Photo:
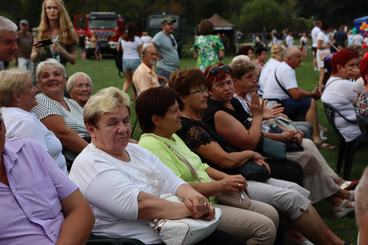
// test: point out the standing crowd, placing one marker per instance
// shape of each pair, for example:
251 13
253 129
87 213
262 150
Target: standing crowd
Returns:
238 141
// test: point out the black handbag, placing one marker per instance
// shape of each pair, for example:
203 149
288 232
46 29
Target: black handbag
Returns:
252 171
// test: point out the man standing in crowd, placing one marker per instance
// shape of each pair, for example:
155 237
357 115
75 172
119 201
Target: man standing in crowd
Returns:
314 33
341 39
8 41
167 47
144 76
25 44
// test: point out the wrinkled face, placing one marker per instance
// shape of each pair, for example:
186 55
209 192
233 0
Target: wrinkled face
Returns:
197 98
52 10
247 83
170 122
222 91
51 81
112 132
27 97
8 45
350 70
81 91
151 56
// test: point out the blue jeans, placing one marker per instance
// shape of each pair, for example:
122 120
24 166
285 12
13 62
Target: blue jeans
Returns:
163 73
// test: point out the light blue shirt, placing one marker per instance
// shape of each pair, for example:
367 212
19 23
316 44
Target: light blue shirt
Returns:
169 54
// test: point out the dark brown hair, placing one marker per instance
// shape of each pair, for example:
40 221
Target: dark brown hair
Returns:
154 101
183 81
205 27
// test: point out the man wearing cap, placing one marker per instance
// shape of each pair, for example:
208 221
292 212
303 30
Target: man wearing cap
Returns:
25 44
168 48
8 41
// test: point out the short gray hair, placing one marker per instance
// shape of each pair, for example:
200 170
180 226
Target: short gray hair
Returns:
104 101
72 80
7 25
49 62
147 46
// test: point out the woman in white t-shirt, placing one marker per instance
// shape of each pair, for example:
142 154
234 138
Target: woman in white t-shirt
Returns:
18 97
323 50
131 46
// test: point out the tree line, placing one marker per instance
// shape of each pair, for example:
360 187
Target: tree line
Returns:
247 15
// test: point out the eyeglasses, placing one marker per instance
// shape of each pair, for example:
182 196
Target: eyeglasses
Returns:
217 69
199 90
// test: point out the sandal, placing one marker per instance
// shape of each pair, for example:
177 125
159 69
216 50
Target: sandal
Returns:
324 145
344 208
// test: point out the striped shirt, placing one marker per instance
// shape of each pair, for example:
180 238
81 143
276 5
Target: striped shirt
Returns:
73 117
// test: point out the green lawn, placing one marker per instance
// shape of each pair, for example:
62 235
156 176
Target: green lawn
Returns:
105 74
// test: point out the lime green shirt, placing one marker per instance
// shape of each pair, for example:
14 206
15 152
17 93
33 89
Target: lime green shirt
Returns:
159 146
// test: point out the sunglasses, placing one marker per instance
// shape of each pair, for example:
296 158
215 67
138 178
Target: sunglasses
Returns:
217 69
173 43
199 90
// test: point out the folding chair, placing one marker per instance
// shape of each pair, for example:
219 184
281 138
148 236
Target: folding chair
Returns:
346 149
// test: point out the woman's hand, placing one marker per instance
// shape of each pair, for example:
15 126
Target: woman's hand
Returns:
198 204
56 47
234 183
261 162
272 112
255 107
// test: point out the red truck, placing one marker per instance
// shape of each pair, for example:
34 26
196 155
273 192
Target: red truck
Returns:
107 27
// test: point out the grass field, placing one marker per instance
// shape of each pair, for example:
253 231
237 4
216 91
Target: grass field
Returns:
105 74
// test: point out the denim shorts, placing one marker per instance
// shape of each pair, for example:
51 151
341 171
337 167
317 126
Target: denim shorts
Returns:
131 64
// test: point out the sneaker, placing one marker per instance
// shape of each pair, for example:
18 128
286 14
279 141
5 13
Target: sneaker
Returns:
343 209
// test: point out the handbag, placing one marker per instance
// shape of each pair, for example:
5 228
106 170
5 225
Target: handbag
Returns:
272 149
186 230
253 171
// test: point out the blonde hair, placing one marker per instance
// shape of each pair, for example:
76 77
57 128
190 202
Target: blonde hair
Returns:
104 101
12 81
67 34
74 78
49 62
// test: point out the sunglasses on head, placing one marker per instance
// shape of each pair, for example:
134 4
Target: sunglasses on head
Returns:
217 69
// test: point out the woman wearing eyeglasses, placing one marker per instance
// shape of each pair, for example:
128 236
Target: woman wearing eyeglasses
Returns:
291 200
159 117
242 129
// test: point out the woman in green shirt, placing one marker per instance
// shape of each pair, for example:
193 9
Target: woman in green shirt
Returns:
159 116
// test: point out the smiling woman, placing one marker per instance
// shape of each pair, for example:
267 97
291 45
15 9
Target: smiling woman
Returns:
79 87
61 115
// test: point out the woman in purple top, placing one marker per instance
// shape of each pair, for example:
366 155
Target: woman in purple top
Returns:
39 204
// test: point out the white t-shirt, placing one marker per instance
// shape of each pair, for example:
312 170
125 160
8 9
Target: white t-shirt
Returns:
339 93
23 124
314 33
112 186
267 71
289 41
146 39
322 36
358 40
287 78
130 49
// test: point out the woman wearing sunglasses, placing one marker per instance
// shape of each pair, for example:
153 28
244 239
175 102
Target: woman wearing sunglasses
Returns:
243 129
286 197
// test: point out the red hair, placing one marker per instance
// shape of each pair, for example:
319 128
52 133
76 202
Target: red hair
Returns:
342 57
364 68
213 78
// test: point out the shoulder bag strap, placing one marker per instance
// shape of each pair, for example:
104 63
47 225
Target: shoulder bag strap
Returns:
278 82
180 157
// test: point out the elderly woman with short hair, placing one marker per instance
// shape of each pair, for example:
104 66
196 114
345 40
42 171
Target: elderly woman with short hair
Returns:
18 97
79 86
122 181
61 115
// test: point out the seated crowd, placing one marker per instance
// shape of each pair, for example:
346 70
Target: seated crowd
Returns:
203 135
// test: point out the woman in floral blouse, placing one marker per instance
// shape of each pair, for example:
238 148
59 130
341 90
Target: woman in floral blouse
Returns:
207 48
